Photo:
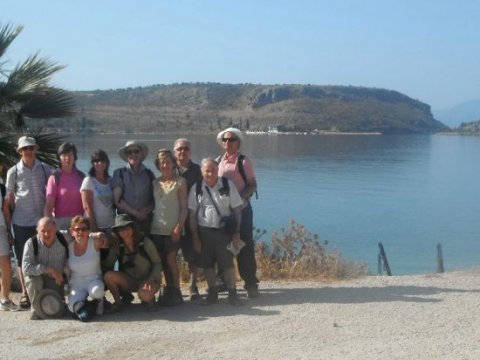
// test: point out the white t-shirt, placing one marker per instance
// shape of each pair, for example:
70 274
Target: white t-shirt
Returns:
102 201
207 214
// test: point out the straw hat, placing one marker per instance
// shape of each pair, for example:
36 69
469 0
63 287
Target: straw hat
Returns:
49 304
122 152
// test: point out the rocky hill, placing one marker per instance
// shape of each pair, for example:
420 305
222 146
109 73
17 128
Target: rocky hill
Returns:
207 107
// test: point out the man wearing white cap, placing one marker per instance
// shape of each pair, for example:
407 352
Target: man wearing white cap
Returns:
132 185
25 200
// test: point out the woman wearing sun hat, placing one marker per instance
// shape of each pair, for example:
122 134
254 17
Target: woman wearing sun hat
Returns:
239 169
140 267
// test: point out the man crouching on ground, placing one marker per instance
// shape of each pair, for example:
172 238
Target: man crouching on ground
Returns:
44 260
209 204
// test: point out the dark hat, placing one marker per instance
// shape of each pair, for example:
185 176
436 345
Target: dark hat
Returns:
49 304
121 221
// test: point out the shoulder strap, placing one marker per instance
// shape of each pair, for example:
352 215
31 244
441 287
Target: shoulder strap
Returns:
225 185
143 252
3 190
241 170
35 245
198 188
63 241
150 174
60 238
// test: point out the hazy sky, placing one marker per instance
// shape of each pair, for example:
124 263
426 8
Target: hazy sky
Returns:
426 49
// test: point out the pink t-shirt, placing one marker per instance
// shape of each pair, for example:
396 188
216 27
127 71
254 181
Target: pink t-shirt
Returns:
68 199
229 169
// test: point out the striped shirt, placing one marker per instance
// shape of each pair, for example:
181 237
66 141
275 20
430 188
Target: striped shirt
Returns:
54 256
28 186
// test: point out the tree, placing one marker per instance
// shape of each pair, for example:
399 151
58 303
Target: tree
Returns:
25 96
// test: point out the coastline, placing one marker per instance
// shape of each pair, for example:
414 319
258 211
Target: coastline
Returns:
432 316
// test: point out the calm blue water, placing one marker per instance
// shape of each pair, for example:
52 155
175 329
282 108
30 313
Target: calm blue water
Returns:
408 192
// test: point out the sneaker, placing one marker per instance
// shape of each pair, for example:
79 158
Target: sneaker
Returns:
35 316
194 294
233 298
8 305
212 297
252 292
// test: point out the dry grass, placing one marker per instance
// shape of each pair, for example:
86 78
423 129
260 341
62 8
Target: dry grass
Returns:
295 253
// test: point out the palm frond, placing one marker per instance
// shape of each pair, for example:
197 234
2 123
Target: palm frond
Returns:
8 33
29 76
48 103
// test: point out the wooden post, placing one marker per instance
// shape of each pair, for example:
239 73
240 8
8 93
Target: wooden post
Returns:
440 268
384 259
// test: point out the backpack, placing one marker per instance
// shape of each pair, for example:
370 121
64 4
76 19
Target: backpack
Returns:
141 250
57 174
241 169
60 238
150 175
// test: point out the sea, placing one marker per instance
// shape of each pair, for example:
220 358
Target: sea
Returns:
408 192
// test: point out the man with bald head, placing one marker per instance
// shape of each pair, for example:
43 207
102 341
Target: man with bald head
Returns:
44 259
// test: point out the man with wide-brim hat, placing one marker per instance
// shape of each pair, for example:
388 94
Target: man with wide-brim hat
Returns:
132 185
25 200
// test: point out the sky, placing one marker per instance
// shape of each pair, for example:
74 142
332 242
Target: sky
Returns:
426 49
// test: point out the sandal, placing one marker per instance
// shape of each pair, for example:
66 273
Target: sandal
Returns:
25 302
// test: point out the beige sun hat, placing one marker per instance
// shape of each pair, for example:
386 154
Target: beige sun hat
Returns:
122 152
25 141
236 131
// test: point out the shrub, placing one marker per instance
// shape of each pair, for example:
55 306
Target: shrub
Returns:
295 253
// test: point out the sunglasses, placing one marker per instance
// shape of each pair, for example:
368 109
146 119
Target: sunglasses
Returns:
182 148
29 148
98 161
133 151
80 229
232 139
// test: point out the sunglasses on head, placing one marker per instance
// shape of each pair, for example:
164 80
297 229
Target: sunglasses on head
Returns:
231 139
132 151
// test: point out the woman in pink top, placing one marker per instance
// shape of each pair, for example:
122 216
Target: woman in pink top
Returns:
230 165
64 200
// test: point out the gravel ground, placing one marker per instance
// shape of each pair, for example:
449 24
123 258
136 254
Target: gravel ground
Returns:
399 317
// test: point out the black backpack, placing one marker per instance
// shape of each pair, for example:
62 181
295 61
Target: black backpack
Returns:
241 169
141 250
60 238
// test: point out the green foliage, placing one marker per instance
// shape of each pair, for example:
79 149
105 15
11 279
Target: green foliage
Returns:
26 96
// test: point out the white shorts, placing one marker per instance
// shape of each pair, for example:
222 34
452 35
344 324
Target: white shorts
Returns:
4 246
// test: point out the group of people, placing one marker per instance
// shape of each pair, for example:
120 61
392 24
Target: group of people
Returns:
122 233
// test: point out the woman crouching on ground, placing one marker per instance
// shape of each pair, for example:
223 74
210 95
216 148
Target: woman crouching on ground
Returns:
85 272
140 267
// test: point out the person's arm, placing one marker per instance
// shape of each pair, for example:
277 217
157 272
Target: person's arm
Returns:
29 263
87 201
8 206
183 211
156 271
192 219
50 197
123 205
250 189
100 240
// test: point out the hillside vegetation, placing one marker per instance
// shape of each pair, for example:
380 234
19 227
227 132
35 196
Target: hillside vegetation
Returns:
207 107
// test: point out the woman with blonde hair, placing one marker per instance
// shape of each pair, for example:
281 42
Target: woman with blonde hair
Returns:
170 212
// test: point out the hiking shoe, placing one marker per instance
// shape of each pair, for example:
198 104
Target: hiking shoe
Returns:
8 305
212 297
127 299
252 292
194 294
233 298
35 316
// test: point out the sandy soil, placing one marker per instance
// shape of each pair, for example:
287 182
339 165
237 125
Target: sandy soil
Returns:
399 317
